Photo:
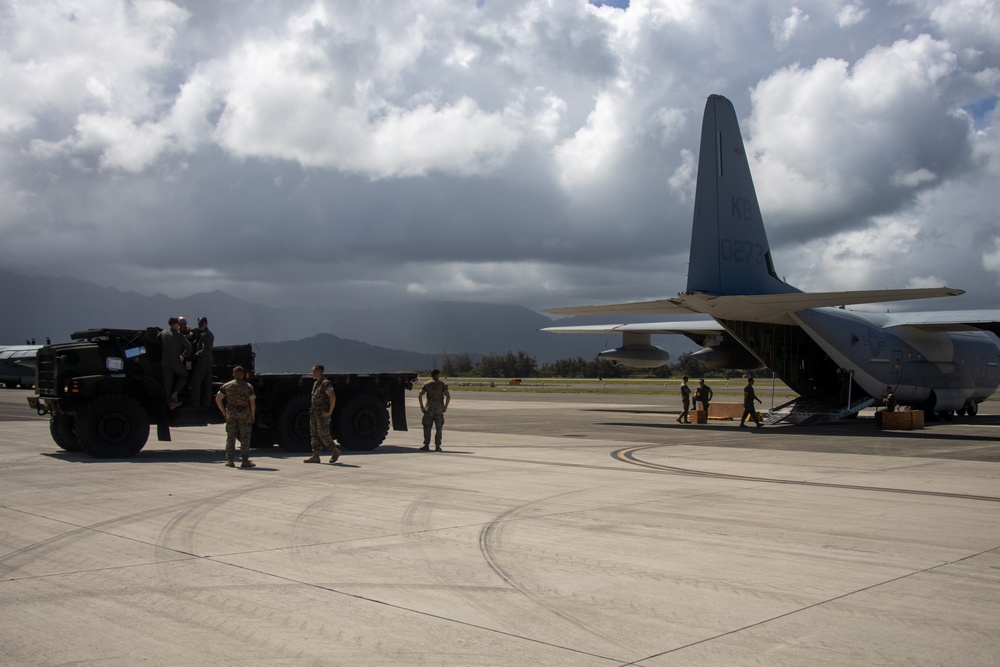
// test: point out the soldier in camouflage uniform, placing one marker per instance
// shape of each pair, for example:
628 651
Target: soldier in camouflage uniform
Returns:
438 399
201 375
239 411
173 371
323 401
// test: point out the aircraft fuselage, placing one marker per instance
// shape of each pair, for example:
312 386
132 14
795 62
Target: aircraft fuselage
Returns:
937 370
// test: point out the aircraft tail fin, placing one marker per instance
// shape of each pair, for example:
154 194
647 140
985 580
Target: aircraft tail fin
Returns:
729 250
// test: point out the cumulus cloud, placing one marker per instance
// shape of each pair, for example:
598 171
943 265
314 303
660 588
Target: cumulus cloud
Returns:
785 29
542 152
849 15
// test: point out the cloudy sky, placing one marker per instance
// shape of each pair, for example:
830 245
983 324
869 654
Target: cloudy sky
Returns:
533 152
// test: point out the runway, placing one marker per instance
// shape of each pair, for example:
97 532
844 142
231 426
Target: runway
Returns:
555 529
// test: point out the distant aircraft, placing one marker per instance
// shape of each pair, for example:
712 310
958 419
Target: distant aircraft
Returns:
840 360
17 365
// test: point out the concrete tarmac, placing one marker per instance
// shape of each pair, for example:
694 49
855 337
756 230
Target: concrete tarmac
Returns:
554 530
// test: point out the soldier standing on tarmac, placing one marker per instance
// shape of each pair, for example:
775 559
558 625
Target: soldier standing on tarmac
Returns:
323 401
702 394
438 399
239 412
749 410
685 402
201 374
175 346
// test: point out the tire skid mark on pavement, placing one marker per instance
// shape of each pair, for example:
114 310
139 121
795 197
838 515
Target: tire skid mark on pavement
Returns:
301 535
628 455
492 543
416 521
15 560
183 526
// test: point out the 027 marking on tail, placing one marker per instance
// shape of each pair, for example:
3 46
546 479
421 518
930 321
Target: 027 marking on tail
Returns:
938 361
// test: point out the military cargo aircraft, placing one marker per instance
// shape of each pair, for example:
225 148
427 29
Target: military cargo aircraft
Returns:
839 361
17 365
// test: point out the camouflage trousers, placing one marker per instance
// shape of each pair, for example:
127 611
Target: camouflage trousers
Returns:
238 426
319 432
437 419
201 382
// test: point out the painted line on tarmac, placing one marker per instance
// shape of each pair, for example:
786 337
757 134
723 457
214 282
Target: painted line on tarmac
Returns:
628 455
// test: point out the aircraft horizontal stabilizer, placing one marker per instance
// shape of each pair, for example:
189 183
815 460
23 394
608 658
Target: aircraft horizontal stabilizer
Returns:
700 327
658 307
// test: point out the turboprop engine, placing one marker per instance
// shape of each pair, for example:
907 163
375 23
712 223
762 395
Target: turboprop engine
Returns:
728 356
638 356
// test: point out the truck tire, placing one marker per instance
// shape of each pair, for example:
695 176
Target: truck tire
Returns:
363 423
63 430
293 424
262 438
114 426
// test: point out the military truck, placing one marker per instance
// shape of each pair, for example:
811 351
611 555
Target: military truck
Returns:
103 391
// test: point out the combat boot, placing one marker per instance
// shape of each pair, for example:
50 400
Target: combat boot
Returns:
229 461
247 463
335 455
312 459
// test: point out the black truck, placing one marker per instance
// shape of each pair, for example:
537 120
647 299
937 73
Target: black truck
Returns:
103 390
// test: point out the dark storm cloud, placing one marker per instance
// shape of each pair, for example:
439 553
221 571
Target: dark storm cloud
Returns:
534 152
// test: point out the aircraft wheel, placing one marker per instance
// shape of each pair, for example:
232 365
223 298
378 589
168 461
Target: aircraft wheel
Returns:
114 426
972 409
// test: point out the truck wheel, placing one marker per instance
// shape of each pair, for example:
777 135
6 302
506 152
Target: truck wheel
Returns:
114 426
261 438
363 423
62 428
293 424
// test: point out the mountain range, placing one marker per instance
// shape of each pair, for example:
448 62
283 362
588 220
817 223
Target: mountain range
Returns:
291 339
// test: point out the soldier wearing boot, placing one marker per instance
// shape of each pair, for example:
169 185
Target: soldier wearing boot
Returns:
323 401
438 399
238 405
173 371
201 374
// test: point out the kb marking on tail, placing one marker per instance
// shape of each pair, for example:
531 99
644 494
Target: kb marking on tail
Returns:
742 208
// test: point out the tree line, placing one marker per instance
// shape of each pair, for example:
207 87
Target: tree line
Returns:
523 365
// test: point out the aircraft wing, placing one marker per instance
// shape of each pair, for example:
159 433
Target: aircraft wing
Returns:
756 307
697 328
947 320
775 308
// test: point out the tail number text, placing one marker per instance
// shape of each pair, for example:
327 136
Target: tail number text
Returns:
732 250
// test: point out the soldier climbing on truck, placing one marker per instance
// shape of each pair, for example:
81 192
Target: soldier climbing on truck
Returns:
103 391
